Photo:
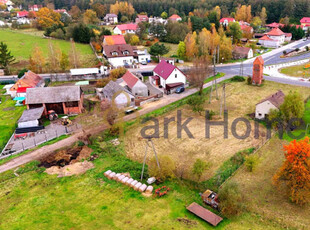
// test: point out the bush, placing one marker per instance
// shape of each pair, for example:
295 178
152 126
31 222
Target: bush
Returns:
167 168
307 48
249 81
284 52
237 79
199 167
196 102
22 72
117 73
230 199
251 162
102 82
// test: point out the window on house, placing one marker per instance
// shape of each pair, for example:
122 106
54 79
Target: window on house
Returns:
114 54
126 52
176 75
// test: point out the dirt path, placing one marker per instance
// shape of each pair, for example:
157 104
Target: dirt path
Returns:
48 149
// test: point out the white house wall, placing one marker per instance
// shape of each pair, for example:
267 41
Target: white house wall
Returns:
175 77
140 89
263 109
119 61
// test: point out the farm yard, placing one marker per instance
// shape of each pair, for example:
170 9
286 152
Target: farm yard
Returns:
21 44
241 101
9 115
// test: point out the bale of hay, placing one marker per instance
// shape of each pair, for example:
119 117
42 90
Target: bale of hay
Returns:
132 184
142 188
149 189
107 173
117 175
128 182
121 177
123 181
137 186
111 175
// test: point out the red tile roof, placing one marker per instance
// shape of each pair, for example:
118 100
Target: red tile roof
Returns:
130 26
114 39
266 38
227 19
130 79
305 20
22 13
142 16
275 25
288 34
204 214
174 17
164 69
275 32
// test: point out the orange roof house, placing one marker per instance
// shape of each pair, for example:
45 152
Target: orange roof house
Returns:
29 80
114 40
175 18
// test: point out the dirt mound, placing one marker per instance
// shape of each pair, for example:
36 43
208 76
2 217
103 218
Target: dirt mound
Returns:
69 170
66 157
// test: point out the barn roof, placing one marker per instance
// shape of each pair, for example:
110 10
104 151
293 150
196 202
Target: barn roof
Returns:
130 79
53 94
276 99
112 88
204 214
31 114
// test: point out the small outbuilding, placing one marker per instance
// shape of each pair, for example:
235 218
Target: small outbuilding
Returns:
30 118
134 85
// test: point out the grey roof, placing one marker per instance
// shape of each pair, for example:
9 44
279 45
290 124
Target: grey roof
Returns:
53 94
111 88
276 99
31 114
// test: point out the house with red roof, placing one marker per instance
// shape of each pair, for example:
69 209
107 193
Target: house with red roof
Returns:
305 21
114 40
119 55
34 7
22 14
21 91
134 85
142 18
274 25
226 21
175 18
168 76
273 38
123 29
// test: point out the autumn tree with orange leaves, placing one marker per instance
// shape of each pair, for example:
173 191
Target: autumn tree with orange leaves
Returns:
294 174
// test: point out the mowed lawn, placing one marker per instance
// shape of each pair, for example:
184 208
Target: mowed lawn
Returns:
9 115
296 71
35 200
21 44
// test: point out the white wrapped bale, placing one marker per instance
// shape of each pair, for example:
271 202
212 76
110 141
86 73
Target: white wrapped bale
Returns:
132 184
137 186
129 181
115 177
107 173
142 188
121 177
149 189
123 181
111 175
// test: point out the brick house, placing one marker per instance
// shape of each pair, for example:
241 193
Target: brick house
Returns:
63 100
258 68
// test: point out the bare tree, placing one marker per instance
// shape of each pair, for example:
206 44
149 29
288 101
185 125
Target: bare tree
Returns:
200 72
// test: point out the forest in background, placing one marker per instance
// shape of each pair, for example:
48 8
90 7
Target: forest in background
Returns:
276 9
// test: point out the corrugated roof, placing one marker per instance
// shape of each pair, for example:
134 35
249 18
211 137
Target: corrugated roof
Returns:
53 94
31 114
204 214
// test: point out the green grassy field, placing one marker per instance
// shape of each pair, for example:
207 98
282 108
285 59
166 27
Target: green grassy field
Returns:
90 201
21 44
173 49
296 71
9 114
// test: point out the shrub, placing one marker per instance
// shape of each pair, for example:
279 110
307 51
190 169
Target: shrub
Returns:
167 168
251 162
199 167
230 199
307 48
22 72
238 78
196 102
249 81
117 73
284 52
102 82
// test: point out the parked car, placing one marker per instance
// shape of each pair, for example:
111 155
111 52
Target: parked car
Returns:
143 63
126 65
180 89
131 109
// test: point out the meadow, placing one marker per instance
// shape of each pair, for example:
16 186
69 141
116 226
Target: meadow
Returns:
21 44
9 115
296 71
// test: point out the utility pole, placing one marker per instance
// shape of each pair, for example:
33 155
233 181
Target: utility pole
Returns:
214 71
241 68
223 100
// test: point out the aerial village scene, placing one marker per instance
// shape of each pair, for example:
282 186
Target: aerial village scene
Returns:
155 114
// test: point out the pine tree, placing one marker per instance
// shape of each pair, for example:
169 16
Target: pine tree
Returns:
5 57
